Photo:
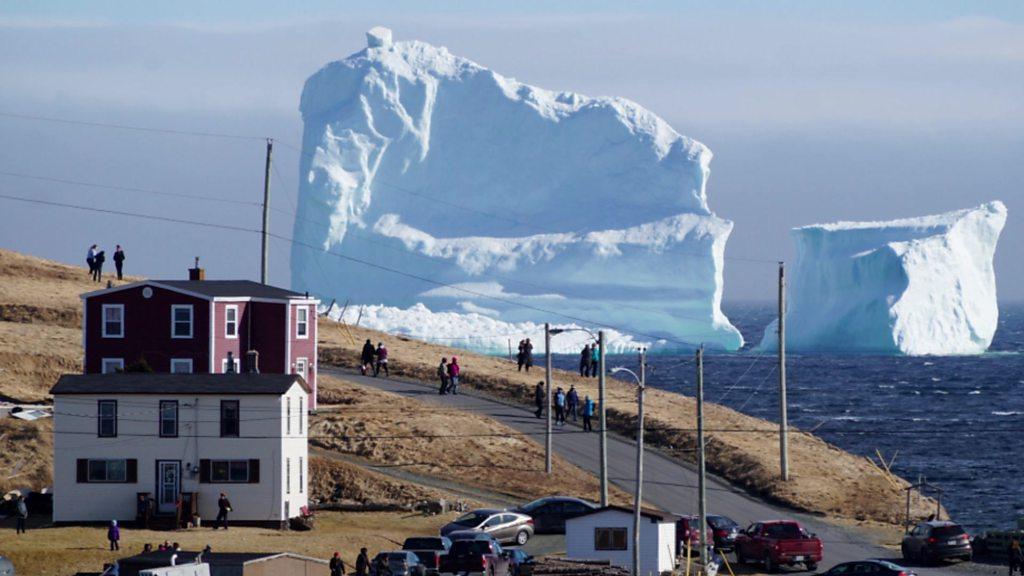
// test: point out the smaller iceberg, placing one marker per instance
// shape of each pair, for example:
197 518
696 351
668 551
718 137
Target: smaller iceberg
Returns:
914 286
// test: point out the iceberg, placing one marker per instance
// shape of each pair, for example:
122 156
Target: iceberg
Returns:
489 195
915 286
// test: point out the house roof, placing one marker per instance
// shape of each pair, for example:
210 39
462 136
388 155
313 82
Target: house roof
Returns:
651 513
164 383
131 565
212 289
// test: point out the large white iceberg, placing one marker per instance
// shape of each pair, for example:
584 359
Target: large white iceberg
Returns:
486 192
913 286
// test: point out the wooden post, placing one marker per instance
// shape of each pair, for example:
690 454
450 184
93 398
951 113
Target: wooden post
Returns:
264 253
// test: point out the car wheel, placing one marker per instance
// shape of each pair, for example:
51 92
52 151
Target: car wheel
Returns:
740 558
812 566
522 537
769 566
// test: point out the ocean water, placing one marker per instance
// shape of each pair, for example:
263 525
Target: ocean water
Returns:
957 422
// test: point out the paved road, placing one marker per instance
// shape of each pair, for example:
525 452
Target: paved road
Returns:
668 484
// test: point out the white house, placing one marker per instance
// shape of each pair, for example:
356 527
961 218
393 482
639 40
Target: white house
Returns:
607 534
180 435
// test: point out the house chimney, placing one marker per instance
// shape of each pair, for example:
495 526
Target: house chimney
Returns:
231 363
196 273
252 362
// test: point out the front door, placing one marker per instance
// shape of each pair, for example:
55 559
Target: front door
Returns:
168 485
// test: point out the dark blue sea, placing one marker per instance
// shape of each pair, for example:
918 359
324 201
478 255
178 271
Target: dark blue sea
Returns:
957 422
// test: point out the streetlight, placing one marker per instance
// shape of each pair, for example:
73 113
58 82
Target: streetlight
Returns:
640 381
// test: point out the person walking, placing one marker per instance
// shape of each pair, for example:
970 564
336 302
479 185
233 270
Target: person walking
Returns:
119 261
20 515
1014 557
588 413
90 259
223 507
114 535
521 355
362 562
559 406
382 360
442 373
528 355
572 402
97 270
142 511
538 397
585 361
337 565
453 375
595 360
366 358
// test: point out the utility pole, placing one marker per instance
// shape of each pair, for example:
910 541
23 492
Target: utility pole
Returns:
602 439
637 498
547 384
266 214
783 417
702 509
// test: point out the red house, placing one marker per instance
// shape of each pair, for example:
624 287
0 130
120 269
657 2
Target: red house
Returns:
195 326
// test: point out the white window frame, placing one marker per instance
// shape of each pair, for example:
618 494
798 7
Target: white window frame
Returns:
305 368
191 365
191 320
105 361
299 311
224 365
227 333
103 319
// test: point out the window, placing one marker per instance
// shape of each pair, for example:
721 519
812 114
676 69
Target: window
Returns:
169 418
288 417
229 418
230 471
106 426
287 475
181 321
107 470
610 539
231 321
302 474
234 362
111 365
181 365
302 322
302 415
113 320
288 510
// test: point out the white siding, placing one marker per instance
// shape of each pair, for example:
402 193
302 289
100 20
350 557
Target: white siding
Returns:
261 437
656 541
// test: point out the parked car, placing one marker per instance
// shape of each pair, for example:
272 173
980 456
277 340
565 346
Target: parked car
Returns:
936 540
868 568
483 557
503 525
686 531
429 549
469 535
549 514
725 531
399 563
520 563
778 542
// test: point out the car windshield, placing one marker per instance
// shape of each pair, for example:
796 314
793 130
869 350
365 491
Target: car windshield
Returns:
471 519
423 544
947 531
782 531
720 523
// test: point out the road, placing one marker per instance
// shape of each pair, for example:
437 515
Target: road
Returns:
668 484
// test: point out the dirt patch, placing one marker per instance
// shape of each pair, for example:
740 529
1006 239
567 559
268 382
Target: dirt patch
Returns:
344 483
25 454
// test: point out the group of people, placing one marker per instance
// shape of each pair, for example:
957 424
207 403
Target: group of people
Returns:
338 568
525 356
590 360
96 257
565 404
374 359
448 373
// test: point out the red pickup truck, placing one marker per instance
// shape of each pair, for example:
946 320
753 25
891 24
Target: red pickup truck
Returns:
778 542
482 557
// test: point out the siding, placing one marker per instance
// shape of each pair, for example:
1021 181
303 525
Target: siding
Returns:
304 348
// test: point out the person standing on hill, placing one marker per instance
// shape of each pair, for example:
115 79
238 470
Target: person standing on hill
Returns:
119 261
588 413
442 373
114 535
362 562
382 360
90 259
97 270
528 354
521 355
572 402
453 375
585 361
20 514
366 358
538 397
337 565
595 360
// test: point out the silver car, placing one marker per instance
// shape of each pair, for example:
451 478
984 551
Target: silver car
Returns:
503 525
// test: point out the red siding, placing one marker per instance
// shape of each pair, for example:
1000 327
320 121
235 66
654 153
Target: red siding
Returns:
147 330
223 344
268 336
305 348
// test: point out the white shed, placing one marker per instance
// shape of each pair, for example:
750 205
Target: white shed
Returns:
607 534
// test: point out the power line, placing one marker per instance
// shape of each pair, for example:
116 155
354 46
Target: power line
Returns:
150 129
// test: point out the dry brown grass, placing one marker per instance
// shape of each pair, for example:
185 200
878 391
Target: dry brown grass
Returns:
25 453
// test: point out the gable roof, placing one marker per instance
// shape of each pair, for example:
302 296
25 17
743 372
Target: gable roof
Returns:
656 515
212 289
165 383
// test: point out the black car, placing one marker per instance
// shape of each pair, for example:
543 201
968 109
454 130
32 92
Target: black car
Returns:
520 563
724 531
429 549
936 540
549 514
868 568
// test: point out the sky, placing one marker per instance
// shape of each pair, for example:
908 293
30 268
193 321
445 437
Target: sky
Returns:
815 111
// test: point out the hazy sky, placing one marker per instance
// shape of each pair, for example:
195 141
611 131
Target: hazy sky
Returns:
816 111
